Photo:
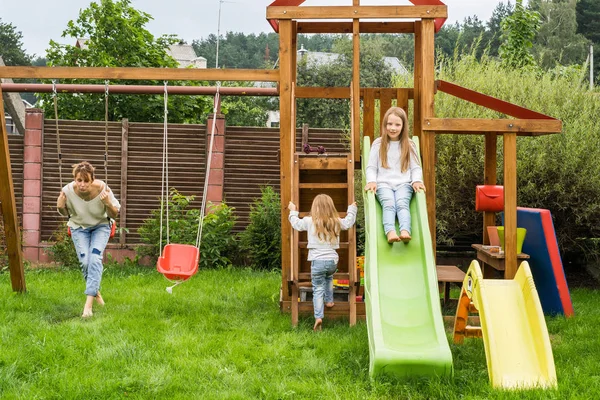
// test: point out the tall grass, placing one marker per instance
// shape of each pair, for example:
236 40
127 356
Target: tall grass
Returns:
221 336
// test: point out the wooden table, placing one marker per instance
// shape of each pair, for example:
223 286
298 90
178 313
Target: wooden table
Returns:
447 274
494 260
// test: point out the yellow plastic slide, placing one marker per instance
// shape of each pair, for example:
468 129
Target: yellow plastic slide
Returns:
517 345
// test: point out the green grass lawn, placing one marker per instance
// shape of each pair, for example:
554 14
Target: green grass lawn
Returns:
220 335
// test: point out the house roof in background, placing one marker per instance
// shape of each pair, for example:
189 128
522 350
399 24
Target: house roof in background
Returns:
183 52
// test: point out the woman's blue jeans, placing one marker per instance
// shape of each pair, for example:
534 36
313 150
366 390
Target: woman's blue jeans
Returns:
90 244
321 275
395 202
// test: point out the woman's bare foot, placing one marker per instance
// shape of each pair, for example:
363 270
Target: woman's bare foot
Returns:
87 312
405 236
329 305
392 237
318 325
99 299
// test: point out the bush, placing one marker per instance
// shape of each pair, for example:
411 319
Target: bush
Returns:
217 244
63 250
262 238
557 172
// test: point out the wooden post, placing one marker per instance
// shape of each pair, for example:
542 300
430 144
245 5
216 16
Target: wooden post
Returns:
304 134
355 101
426 93
287 143
124 159
489 178
510 205
402 99
9 211
418 74
369 114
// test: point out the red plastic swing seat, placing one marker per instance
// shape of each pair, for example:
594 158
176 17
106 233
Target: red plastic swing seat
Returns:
178 261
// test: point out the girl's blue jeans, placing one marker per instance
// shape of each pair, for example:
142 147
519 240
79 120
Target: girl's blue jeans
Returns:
395 202
90 244
321 275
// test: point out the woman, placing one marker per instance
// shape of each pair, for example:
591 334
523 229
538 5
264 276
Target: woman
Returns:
89 203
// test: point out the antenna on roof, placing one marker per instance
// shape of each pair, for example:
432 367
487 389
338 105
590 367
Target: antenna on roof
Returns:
219 31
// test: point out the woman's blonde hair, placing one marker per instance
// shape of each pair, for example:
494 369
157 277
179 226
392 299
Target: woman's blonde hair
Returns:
405 144
326 219
85 169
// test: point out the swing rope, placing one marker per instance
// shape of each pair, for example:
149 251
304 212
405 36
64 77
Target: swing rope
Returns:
106 133
165 172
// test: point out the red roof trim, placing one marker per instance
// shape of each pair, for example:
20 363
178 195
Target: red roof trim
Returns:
439 22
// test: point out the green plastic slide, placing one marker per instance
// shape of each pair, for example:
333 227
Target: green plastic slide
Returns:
404 319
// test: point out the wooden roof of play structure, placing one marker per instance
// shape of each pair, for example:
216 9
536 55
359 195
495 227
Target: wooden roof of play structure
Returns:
289 18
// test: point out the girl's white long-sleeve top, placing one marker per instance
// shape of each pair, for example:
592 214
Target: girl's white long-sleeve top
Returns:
319 249
393 176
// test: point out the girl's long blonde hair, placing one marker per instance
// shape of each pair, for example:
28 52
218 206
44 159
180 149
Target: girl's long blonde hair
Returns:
405 145
326 219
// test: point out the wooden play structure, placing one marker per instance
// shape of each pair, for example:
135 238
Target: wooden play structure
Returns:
303 176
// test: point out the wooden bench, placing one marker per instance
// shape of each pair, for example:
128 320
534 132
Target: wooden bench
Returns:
446 275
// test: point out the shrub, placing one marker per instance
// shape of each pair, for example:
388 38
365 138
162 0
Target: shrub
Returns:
63 250
261 240
217 243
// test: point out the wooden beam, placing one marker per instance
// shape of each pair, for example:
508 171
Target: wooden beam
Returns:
346 27
510 205
313 92
287 143
524 127
426 88
350 12
308 92
489 178
9 210
490 102
162 74
321 163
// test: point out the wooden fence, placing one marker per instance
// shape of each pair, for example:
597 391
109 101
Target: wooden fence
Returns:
135 165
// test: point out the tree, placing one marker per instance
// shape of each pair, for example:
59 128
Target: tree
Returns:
557 41
116 37
494 27
588 24
11 46
236 50
518 31
588 19
335 113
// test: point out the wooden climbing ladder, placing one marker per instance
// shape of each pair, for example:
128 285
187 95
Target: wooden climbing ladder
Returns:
331 174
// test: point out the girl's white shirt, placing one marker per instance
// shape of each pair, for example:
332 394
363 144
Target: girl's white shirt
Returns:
319 249
87 213
393 176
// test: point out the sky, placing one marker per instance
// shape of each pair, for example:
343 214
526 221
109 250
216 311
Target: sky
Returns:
40 21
